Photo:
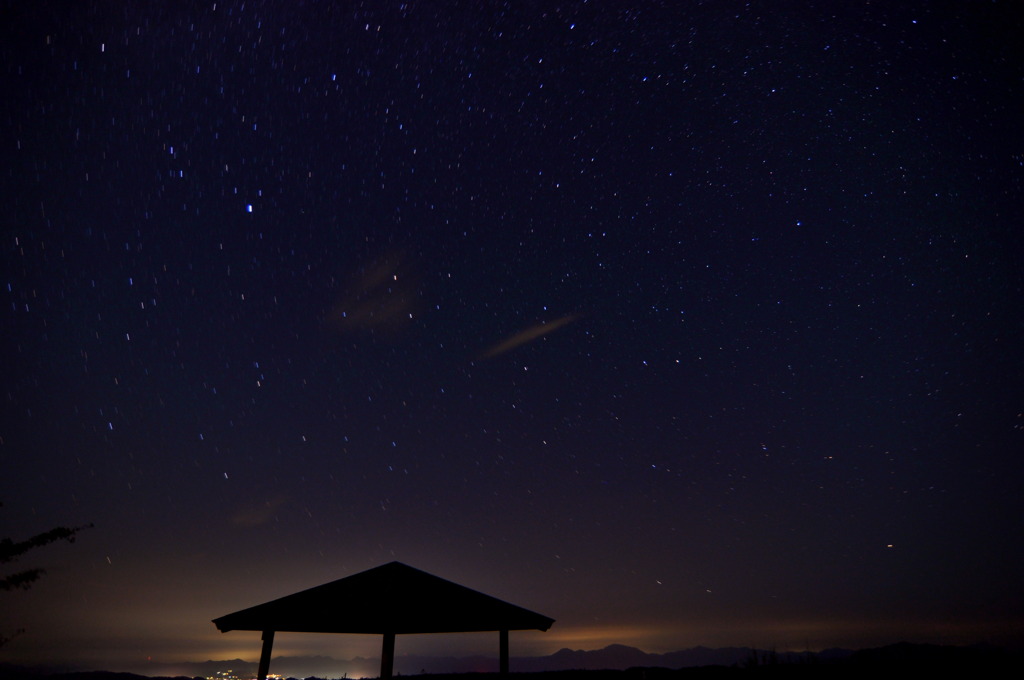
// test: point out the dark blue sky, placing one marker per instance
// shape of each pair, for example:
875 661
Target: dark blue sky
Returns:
681 323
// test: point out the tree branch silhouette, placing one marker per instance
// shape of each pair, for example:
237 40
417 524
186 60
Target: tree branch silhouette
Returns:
11 550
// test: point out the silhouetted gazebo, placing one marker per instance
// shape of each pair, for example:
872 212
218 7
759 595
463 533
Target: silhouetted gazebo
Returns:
388 600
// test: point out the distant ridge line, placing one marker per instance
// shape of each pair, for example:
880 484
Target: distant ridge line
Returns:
610 658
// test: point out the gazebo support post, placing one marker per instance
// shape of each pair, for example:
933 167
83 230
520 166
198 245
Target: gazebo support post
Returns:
268 644
503 652
388 600
387 656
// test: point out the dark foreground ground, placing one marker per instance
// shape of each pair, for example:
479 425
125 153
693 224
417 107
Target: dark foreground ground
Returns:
920 660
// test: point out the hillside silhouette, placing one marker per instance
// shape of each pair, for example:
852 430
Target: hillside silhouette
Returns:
615 662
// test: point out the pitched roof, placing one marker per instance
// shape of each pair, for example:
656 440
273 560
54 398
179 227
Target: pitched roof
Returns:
392 598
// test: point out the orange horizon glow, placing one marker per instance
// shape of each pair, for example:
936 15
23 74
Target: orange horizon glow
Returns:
809 635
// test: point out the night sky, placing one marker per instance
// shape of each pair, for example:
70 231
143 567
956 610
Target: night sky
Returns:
678 322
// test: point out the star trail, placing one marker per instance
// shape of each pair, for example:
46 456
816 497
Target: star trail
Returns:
684 323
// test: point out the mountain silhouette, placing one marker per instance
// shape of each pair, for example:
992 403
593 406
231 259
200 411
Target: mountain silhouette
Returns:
611 658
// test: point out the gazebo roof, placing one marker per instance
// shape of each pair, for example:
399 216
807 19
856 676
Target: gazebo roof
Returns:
392 598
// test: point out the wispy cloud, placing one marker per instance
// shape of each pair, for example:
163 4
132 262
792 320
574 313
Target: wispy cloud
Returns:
528 335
